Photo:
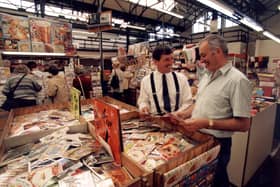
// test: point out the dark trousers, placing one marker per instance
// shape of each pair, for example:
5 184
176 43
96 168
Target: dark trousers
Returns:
221 177
17 103
117 95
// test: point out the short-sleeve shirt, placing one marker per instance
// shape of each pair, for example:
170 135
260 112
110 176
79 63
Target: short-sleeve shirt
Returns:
226 95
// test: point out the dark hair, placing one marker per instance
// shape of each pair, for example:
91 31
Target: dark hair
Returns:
31 65
161 50
53 70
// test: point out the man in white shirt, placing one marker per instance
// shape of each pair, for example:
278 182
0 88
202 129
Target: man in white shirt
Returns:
157 99
222 104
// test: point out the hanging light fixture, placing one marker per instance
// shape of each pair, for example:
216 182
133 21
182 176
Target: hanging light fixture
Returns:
271 36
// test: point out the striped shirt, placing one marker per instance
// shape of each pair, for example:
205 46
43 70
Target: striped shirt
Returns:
27 88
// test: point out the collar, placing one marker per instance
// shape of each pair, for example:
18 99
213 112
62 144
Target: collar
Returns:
159 73
223 70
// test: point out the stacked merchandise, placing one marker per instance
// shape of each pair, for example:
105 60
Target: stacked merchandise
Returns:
168 154
137 62
40 121
96 82
28 124
35 156
259 104
149 145
267 83
61 159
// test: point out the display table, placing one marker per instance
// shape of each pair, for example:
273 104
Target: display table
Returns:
251 148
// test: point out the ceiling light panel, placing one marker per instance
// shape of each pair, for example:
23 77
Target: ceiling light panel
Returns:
219 7
251 23
271 36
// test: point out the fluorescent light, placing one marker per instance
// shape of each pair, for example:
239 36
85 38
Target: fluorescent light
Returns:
136 27
173 34
32 53
219 7
271 36
251 23
126 25
117 21
278 7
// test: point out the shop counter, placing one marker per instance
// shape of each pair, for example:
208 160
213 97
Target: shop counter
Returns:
250 149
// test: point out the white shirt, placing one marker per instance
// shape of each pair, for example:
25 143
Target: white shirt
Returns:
226 95
146 96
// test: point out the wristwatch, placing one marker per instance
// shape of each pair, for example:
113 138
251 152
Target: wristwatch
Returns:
210 123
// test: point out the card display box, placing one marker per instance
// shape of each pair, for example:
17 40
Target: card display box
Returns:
85 128
14 141
156 177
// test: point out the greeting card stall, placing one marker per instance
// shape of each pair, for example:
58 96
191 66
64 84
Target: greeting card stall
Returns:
45 145
157 151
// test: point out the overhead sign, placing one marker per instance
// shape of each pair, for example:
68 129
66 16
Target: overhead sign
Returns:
100 21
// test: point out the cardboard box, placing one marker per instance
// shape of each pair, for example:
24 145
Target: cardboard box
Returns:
14 141
135 182
156 177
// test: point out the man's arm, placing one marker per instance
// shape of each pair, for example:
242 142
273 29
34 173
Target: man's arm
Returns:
143 99
232 124
184 114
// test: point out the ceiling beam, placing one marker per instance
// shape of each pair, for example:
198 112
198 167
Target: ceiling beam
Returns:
123 9
103 3
143 11
134 7
82 6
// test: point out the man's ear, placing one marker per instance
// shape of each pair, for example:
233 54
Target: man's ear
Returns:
219 50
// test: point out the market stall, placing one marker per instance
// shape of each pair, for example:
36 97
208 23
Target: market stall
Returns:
47 141
250 149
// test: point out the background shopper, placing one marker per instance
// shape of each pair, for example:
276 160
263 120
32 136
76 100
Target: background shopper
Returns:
82 82
57 88
20 89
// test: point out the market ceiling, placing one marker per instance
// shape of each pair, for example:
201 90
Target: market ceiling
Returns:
259 10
